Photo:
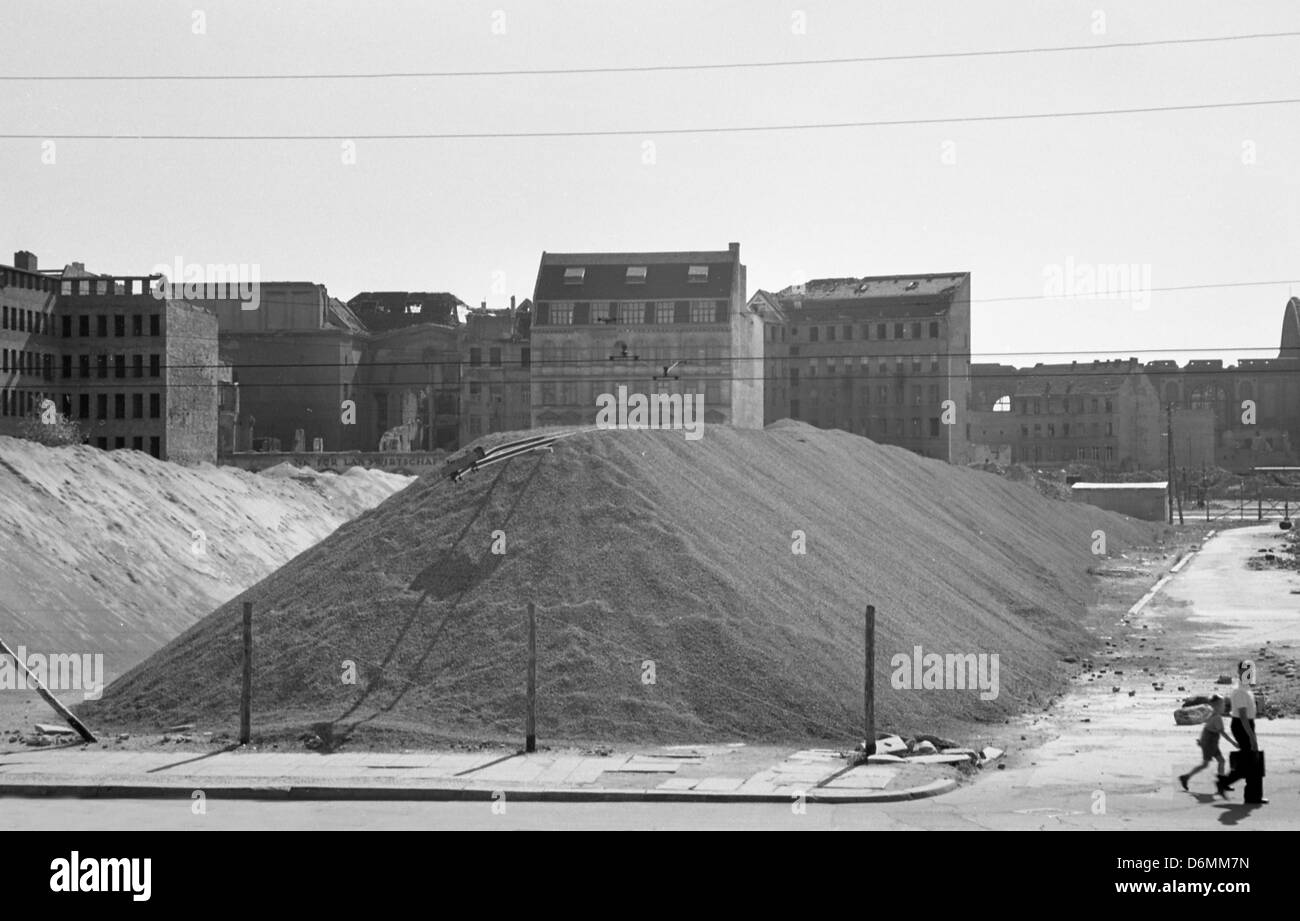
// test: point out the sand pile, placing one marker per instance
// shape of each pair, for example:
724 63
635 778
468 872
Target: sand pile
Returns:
117 553
671 605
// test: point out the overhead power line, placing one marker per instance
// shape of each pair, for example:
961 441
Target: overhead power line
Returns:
645 68
651 132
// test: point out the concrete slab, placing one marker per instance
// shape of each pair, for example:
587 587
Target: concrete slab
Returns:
864 777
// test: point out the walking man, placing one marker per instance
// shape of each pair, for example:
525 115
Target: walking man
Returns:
1241 704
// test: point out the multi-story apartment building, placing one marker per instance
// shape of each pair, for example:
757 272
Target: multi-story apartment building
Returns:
882 357
1235 416
672 323
134 368
496 373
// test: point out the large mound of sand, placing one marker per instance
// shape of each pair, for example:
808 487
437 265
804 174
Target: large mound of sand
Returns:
117 553
643 547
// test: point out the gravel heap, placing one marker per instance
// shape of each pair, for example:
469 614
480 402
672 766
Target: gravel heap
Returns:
670 603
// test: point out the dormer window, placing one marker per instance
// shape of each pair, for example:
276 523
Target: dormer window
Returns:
636 274
574 275
698 274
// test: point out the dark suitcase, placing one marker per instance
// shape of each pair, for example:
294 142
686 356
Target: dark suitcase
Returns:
1251 766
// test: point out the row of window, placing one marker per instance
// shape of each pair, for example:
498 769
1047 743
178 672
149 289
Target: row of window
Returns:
1071 405
11 278
1039 453
929 396
1081 429
900 365
494 357
26 402
585 393
652 355
24 321
630 313
118 362
901 426
20 361
37 323
635 274
832 332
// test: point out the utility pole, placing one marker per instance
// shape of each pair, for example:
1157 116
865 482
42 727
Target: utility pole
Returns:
1169 444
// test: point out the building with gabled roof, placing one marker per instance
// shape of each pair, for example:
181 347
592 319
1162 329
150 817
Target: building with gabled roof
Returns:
653 322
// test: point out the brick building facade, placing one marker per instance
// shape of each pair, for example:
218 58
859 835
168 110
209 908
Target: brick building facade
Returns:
135 369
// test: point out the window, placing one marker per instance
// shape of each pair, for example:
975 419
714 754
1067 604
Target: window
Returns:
635 275
916 330
934 428
137 366
916 395
899 330
474 388
848 331
137 443
814 332
119 406
630 312
101 366
702 312
663 311
155 446
1065 430
697 274
101 406
67 366
574 275
101 326
155 406
102 443
1110 429
934 330
83 325
1108 406
916 364
4 319
119 325
881 330
153 366
1051 430
137 324
137 406
830 334
525 358
83 406
794 377
1094 404
67 327
475 357
154 325
562 313
119 366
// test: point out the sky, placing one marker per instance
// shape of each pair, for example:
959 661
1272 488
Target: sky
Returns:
1030 207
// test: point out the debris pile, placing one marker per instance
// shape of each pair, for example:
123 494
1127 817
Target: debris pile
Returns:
685 591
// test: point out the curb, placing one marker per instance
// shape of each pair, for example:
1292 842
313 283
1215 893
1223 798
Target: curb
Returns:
311 793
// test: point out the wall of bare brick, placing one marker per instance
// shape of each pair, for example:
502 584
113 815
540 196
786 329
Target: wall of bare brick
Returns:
190 373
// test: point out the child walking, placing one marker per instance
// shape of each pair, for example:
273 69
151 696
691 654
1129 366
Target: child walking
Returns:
1209 740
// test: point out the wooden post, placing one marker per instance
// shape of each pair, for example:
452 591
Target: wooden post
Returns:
49 698
246 697
869 684
1179 494
530 720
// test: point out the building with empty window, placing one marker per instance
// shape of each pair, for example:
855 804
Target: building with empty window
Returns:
496 371
881 357
670 323
135 369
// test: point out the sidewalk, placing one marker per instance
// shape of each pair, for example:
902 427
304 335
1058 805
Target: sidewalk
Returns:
712 773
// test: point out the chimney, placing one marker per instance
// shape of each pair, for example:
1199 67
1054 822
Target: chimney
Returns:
734 249
25 261
482 305
512 303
